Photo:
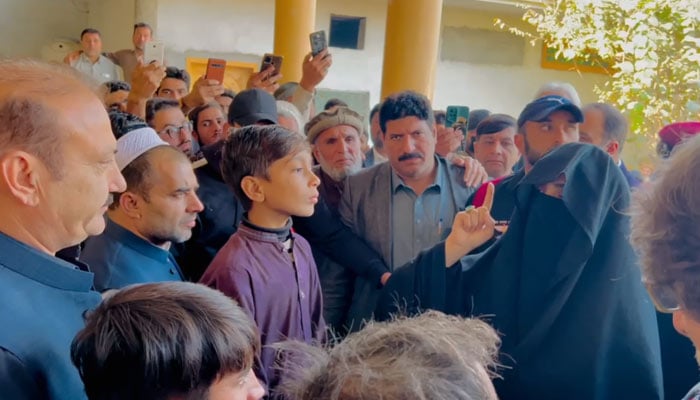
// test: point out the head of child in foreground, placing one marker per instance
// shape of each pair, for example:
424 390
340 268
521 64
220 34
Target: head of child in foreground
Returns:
269 169
431 356
167 341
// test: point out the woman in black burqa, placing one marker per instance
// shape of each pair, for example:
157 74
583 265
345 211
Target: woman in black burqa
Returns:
561 286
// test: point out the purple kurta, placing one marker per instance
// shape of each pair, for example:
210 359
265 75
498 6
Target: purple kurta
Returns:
283 297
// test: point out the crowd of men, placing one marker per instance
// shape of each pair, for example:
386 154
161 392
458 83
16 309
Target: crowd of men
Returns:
163 239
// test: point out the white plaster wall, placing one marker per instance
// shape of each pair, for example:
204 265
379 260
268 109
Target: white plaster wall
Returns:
28 25
499 88
243 30
237 29
358 70
115 21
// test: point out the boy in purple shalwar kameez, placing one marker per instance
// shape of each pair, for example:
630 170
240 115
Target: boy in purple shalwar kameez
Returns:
265 266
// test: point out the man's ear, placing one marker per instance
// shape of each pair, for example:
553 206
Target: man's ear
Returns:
130 204
613 147
680 322
21 173
253 189
315 151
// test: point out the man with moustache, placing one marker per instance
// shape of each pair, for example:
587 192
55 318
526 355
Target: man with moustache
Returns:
158 208
57 161
406 204
494 145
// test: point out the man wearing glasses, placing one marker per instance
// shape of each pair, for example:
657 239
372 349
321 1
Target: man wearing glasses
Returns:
168 120
665 234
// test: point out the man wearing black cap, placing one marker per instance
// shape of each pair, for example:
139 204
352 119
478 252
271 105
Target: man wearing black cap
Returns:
545 124
252 107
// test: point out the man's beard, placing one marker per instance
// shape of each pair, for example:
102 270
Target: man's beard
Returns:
338 174
531 155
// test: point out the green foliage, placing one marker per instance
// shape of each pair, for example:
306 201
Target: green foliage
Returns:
653 47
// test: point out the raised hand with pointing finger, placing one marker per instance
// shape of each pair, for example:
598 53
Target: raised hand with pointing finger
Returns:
470 229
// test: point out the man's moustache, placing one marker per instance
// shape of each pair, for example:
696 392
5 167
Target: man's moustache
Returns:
409 156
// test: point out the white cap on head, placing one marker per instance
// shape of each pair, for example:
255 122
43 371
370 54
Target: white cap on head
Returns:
135 143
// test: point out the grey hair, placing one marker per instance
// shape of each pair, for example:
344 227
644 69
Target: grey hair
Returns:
615 124
431 356
665 220
28 118
563 89
289 110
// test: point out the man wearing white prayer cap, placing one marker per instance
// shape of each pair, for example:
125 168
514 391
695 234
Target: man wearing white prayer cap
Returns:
158 208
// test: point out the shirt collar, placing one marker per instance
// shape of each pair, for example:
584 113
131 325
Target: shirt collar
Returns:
87 60
256 232
135 242
397 182
41 267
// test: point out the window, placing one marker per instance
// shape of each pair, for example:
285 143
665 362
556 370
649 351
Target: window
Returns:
347 32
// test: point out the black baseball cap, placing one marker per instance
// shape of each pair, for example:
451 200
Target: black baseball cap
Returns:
541 108
252 106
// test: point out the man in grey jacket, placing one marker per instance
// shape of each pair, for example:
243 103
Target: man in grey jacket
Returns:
405 205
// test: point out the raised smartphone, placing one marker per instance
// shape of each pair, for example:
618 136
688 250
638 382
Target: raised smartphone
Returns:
154 51
318 42
216 68
271 59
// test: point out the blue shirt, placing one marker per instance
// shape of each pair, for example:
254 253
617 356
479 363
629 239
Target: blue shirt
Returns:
42 301
420 222
119 258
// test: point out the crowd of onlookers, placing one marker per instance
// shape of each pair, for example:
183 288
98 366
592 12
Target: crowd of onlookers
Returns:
163 238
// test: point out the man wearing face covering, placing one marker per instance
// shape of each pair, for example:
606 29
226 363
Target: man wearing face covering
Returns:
561 287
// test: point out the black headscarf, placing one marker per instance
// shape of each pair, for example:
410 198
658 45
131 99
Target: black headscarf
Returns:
561 286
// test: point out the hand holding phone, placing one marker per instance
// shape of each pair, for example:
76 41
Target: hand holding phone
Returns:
216 69
456 115
318 42
154 51
271 59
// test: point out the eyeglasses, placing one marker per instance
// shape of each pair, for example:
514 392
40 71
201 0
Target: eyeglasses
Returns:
174 131
663 296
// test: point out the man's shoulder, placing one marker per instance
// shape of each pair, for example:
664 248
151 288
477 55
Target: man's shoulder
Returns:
106 61
125 53
510 181
368 174
122 56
